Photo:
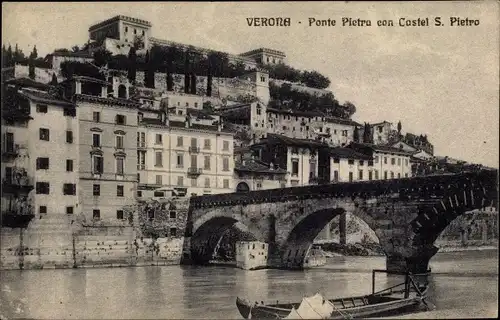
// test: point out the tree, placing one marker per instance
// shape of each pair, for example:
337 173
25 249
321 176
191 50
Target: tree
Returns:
350 109
75 48
193 83
399 129
102 57
209 80
35 53
367 134
31 65
54 80
186 74
356 134
132 65
149 80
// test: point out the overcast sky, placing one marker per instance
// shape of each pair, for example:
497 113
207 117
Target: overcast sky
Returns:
442 81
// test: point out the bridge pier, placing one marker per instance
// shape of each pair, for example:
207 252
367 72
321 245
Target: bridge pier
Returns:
417 263
343 228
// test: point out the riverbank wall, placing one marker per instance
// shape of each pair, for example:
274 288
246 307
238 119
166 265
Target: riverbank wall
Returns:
60 241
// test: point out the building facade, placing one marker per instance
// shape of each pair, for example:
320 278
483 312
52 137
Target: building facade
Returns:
251 174
265 56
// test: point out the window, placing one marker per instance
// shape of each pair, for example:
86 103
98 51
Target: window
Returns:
259 110
69 189
159 194
193 183
96 214
336 160
225 145
370 175
385 175
138 177
41 108
376 174
406 162
69 136
180 181
173 232
406 175
225 164
399 175
393 161
361 163
392 175
44 134
350 161
256 124
351 176
139 194
180 160
69 210
42 163
120 119
399 161
263 79
158 159
42 188
207 182
158 139
119 142
173 214
385 160
97 165
159 179
141 139
194 143
360 175
96 116
69 165
119 166
126 29
206 163
42 209
135 31
143 33
179 141
119 214
370 163
96 140
96 189
206 144
335 176
119 191
295 168
225 183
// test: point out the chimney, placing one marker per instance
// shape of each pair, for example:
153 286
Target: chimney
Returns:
271 166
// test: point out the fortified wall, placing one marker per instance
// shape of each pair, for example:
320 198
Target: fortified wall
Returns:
61 241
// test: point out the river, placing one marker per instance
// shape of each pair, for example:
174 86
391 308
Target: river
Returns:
461 282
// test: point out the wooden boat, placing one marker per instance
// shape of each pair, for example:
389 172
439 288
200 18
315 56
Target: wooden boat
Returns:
386 302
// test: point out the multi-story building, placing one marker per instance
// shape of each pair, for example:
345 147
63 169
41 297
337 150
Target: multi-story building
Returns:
107 148
119 33
182 150
265 56
57 58
252 174
347 165
388 162
382 132
40 149
306 161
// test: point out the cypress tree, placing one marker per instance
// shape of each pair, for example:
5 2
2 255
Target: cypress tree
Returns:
132 65
209 79
193 83
31 65
186 74
54 80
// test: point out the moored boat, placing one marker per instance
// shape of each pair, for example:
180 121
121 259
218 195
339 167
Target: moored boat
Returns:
389 301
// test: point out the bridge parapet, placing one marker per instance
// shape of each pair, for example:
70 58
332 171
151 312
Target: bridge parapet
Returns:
425 187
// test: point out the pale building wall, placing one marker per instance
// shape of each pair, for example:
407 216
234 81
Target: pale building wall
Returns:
251 254
108 202
58 60
401 166
304 167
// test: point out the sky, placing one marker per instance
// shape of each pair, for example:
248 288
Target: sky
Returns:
440 81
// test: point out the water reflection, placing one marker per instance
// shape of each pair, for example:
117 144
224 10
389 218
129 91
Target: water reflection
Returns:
209 292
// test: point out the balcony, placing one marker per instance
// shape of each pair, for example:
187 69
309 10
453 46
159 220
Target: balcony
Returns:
18 215
193 171
194 149
10 151
17 183
141 146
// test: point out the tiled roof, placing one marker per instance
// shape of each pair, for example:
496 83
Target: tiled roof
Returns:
81 54
342 121
196 126
154 121
109 101
200 114
348 153
379 148
252 165
27 82
295 113
90 79
295 142
45 97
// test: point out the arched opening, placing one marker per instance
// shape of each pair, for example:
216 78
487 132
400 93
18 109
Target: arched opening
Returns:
214 240
242 187
122 91
362 240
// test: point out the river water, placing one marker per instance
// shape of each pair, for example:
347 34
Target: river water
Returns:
461 282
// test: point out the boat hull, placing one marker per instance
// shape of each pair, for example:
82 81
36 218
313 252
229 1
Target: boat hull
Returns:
249 311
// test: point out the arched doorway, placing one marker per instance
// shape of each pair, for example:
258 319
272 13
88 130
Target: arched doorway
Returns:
242 187
122 92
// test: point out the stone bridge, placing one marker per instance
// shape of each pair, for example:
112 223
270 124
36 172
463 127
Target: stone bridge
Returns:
406 214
